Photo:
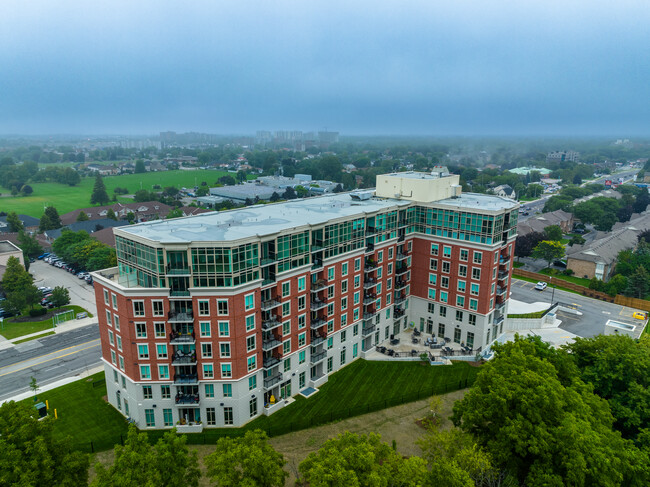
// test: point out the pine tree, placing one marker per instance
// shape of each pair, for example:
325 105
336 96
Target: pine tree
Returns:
50 219
82 217
99 196
638 283
15 224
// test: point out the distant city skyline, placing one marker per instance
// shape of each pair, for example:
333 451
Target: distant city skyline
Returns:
396 68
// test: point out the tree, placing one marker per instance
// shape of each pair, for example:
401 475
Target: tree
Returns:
548 250
246 461
29 244
175 213
301 191
60 297
143 195
99 195
289 193
71 177
553 232
203 191
642 202
15 278
26 189
274 197
524 244
227 180
33 455
359 460
137 463
33 385
140 167
82 217
241 176
111 214
338 188
50 220
577 179
15 223
576 240
638 283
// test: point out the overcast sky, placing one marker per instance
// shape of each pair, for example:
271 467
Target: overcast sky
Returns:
429 67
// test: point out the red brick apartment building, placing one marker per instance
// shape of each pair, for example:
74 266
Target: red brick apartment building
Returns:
214 319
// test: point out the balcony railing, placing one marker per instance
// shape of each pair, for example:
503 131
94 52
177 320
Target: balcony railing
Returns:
401 270
499 320
369 315
316 305
176 317
177 338
268 362
371 230
368 283
184 358
369 299
316 339
401 256
500 306
400 300
270 344
270 322
400 285
317 357
504 259
173 293
268 261
398 313
317 323
186 379
187 398
502 275
367 330
269 304
318 286
272 380
501 290
178 271
370 249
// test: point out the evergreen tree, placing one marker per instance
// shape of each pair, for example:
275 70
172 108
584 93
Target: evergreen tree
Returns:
111 214
50 220
638 283
99 196
82 217
15 224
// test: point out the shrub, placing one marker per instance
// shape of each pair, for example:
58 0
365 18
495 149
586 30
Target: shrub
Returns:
568 272
37 312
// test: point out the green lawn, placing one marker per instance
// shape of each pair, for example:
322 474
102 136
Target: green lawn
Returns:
83 414
10 329
575 280
361 387
34 338
68 198
535 281
518 264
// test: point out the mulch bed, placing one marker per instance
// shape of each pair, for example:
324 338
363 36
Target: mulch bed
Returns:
29 319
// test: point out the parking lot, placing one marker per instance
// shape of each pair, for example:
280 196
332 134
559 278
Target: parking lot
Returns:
594 315
81 293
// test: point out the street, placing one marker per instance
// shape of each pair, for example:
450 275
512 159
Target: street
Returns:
48 359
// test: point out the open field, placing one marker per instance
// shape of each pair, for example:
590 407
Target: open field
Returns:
575 280
11 329
67 198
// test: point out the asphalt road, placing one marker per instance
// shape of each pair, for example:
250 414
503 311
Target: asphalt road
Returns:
595 313
48 359
532 207
81 293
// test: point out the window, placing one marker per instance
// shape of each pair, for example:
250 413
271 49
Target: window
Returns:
433 264
355 350
443 311
343 336
302 283
149 418
159 330
250 343
226 371
459 315
302 303
342 357
446 267
224 329
457 333
441 330
165 392
355 314
302 321
163 372
227 390
494 273
286 328
460 301
379 272
204 308
344 304
344 269
330 343
250 322
474 288
330 292
357 264
446 252
251 363
227 416
106 302
205 329
211 416
473 304
145 372
286 346
115 376
114 298
302 339
387 313
168 419
389 271
478 257
357 281
462 270
143 351
301 380
286 308
357 297
301 357
224 350
121 361
476 273
141 330
126 407
286 365
161 350
491 290
434 249
330 309
388 299
472 319
390 253
432 293
330 364
252 407
330 274
206 350
380 256
286 289
443 296
344 286
461 286
222 307
444 282
111 337
138 308
117 322
252 382
157 308
108 318
113 357
464 255
249 302
487 337
208 371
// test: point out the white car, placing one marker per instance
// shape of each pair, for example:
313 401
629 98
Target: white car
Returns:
540 286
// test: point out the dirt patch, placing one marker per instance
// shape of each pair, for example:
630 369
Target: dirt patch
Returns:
399 424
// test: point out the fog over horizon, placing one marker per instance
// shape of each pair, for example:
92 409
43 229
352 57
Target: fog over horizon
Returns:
551 68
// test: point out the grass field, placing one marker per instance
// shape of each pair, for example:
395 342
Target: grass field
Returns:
11 329
360 387
575 280
67 198
535 281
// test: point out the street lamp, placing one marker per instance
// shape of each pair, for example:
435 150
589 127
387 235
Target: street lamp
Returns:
553 293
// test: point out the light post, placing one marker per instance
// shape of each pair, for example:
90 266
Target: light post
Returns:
553 293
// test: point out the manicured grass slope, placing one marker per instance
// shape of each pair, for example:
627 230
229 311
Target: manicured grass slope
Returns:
67 198
11 330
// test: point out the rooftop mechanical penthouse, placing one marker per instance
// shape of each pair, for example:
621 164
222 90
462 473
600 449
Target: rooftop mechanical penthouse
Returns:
214 319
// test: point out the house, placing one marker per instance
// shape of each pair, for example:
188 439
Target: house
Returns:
149 210
505 191
90 226
29 223
102 170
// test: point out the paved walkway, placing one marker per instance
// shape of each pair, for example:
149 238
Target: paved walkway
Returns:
62 328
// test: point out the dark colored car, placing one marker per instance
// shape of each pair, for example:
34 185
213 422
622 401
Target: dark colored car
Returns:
560 263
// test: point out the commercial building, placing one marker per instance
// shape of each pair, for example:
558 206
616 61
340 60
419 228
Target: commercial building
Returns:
214 319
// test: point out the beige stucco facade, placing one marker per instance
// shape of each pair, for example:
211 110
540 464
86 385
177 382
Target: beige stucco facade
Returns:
422 187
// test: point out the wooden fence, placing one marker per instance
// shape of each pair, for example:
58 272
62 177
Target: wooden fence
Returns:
585 291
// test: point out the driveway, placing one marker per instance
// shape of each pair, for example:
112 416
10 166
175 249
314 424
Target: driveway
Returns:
81 293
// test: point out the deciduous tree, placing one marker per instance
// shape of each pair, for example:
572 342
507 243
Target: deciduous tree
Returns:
548 250
14 222
60 296
553 233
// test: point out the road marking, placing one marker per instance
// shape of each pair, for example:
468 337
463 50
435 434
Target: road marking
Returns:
48 360
576 304
606 313
52 353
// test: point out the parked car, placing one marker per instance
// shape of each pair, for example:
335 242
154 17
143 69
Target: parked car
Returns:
540 286
560 263
82 275
42 256
640 315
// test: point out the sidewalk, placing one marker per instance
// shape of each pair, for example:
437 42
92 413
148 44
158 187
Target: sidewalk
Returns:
62 328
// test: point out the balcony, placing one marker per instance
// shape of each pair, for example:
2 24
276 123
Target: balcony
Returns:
272 380
318 286
186 379
266 282
500 306
400 300
367 330
370 249
268 261
270 323
371 231
317 323
316 339
369 315
269 304
318 264
504 260
401 256
268 362
317 357
176 317
502 275
178 338
400 285
270 344
499 320
174 293
402 223
316 246
368 283
369 299
398 313
501 291
180 358
186 398
177 271
317 304
401 270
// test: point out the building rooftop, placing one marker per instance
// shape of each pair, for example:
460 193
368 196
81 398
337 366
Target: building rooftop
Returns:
259 220
7 246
